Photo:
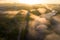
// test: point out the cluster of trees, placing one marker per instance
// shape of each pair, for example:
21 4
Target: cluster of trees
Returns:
10 27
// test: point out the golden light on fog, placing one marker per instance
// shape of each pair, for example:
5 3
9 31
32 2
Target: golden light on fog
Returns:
40 1
32 1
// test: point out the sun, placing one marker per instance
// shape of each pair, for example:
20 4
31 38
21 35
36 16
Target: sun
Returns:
31 1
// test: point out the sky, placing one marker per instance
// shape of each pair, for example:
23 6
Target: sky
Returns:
32 1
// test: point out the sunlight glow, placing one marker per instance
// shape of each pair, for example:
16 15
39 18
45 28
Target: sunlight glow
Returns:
32 1
40 1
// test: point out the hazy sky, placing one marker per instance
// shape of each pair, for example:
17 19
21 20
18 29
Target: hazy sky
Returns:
31 1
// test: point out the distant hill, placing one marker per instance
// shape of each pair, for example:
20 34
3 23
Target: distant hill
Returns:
18 6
